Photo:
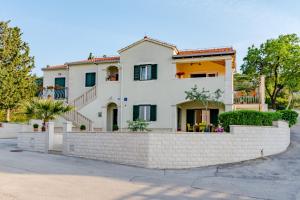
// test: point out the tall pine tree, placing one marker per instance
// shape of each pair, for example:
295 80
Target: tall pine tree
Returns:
17 84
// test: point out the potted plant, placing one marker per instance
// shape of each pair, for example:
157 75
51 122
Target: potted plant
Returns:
35 127
180 74
219 129
115 127
82 127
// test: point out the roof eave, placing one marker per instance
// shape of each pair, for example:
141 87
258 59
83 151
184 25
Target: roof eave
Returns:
204 55
149 40
95 62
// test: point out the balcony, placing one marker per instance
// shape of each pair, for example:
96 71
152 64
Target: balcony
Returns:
246 100
57 93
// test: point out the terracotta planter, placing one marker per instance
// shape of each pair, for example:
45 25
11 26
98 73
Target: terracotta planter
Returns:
35 129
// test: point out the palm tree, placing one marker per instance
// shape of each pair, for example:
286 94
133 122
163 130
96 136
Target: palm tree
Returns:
46 109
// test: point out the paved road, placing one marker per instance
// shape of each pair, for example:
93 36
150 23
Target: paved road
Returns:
29 175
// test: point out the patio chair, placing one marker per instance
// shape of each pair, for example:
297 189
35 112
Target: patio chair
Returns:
189 128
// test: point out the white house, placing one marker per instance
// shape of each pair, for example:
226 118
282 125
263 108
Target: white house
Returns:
147 80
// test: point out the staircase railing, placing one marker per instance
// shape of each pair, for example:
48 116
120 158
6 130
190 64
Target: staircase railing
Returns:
85 98
247 100
78 119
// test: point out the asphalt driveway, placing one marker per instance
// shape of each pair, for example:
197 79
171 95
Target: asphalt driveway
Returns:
29 175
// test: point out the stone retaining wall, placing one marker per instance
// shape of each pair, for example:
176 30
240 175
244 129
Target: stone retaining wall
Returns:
179 150
33 141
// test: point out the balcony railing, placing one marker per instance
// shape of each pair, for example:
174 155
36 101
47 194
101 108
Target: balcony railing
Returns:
58 94
247 100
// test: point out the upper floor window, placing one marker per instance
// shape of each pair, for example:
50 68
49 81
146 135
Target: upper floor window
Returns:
145 72
90 79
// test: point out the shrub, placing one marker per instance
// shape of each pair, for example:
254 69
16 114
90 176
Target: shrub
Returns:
290 116
137 125
35 126
82 127
248 117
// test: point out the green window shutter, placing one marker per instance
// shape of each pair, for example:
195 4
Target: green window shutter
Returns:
135 112
90 79
136 75
154 71
153 110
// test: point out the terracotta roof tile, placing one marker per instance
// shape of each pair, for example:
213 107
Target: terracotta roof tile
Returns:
206 51
55 67
93 60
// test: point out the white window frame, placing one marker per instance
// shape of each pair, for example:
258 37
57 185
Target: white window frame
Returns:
145 72
145 112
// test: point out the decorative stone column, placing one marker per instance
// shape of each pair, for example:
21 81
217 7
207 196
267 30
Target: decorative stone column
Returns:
68 126
262 94
228 92
174 118
104 118
50 135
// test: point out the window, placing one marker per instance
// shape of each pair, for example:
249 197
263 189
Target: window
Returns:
145 72
90 79
144 112
211 75
198 75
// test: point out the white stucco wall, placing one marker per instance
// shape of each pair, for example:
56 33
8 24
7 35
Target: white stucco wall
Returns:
179 150
50 75
77 79
33 141
165 92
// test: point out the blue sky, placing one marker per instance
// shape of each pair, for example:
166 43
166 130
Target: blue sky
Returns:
59 31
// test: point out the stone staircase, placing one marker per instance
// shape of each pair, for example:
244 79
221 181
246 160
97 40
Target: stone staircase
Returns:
76 117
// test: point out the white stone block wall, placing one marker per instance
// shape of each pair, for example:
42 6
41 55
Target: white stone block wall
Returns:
179 150
33 141
10 130
124 148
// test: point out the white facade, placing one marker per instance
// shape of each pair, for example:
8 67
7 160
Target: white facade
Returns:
113 101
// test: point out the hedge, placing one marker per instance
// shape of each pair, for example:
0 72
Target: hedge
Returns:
290 116
248 117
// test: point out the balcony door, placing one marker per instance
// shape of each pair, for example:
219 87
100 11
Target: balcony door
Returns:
60 88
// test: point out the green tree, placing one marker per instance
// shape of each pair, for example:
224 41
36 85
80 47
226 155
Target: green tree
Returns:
16 82
204 97
46 109
279 60
243 82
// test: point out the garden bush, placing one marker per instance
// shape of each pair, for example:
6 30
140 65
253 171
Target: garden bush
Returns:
137 125
248 117
290 116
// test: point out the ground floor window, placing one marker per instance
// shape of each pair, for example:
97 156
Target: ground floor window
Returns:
144 112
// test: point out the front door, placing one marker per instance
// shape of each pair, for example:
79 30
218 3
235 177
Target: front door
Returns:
59 91
214 113
115 120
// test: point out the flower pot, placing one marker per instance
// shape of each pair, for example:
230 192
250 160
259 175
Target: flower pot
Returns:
43 128
35 129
